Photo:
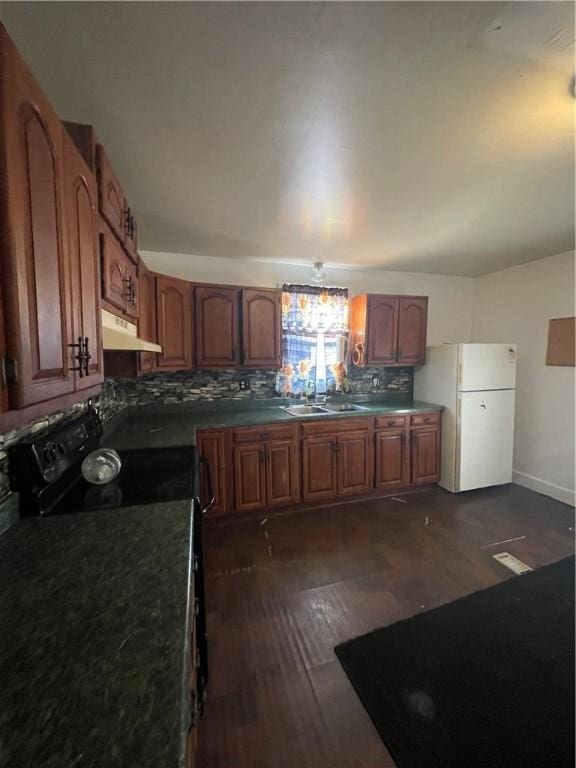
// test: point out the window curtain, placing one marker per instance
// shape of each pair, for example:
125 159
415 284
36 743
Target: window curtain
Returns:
313 319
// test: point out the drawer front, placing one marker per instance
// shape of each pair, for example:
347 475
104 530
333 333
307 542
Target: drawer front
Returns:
425 419
266 432
335 426
390 422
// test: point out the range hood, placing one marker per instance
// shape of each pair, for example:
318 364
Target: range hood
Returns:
118 333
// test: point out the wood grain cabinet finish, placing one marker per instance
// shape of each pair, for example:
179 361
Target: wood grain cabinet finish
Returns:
147 315
319 468
119 276
282 477
110 195
425 455
174 322
35 264
355 464
412 324
389 330
80 208
392 459
261 328
382 330
212 448
249 477
217 326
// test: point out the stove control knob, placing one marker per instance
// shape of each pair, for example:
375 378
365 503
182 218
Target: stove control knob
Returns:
60 450
47 455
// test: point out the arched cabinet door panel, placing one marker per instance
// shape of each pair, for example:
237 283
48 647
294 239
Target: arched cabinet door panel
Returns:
412 323
80 201
174 320
110 195
382 330
261 328
217 331
34 260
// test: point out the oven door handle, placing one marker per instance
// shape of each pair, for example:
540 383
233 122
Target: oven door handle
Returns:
204 462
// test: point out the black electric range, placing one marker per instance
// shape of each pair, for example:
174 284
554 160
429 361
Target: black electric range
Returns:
45 469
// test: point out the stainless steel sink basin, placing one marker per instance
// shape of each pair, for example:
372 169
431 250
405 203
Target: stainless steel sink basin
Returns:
321 410
305 410
345 407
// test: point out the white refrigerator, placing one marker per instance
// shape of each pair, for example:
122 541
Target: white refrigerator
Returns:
476 385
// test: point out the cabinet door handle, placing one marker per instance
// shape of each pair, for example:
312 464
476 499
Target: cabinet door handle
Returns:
87 356
79 356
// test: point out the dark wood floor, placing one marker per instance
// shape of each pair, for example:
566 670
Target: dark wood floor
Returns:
283 591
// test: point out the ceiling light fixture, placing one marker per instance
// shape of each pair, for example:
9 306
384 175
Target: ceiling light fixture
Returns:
318 272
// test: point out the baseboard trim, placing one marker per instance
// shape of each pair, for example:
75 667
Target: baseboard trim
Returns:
543 486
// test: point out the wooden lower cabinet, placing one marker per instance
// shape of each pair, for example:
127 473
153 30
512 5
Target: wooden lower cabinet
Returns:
249 477
282 474
319 468
425 455
212 448
355 464
392 459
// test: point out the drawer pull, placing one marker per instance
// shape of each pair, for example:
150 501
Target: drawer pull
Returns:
426 419
391 422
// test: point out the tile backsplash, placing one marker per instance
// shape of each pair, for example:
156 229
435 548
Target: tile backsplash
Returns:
183 386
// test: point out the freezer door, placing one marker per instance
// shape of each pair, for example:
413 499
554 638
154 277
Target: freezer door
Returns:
486 366
485 438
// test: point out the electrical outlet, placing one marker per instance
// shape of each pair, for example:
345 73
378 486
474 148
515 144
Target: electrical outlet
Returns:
375 382
244 384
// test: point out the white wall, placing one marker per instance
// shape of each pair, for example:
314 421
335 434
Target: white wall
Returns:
515 305
450 298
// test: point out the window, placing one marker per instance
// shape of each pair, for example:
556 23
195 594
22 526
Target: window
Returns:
314 326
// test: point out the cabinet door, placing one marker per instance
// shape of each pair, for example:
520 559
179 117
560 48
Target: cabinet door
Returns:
391 459
34 260
319 468
261 328
217 317
80 200
281 473
174 321
355 464
110 195
249 477
211 447
113 260
133 292
425 455
412 330
147 315
381 330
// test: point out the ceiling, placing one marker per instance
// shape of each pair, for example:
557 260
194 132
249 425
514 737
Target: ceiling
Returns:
427 137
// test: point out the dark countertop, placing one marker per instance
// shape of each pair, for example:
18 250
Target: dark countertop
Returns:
93 617
154 426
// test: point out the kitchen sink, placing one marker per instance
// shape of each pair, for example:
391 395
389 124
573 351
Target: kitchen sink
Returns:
322 410
305 410
345 407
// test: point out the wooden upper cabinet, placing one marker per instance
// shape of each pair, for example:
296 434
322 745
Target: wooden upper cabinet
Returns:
174 323
217 326
412 323
80 209
34 261
388 330
382 330
119 276
147 315
261 328
110 195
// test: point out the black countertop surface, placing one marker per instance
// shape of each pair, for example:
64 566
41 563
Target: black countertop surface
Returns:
93 628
